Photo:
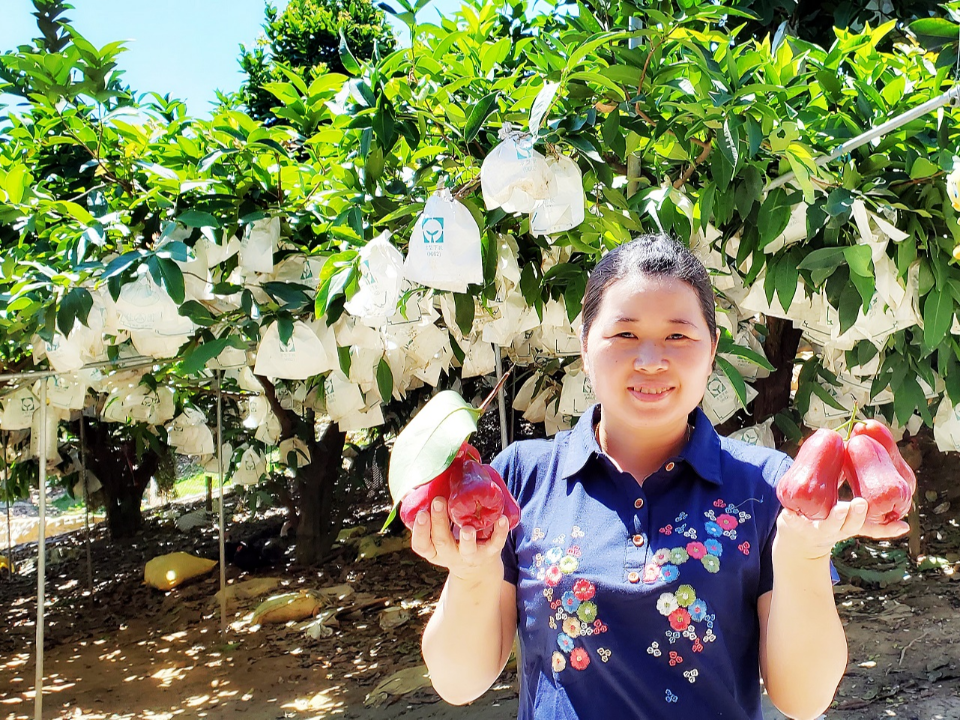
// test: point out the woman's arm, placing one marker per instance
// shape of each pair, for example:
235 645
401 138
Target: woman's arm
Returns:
469 638
803 648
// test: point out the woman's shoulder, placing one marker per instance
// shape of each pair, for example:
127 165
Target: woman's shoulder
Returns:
738 457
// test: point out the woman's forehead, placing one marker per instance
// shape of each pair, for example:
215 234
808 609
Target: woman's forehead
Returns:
634 293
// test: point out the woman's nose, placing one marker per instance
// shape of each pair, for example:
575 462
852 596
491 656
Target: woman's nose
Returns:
650 356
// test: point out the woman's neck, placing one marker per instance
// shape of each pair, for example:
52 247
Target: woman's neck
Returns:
641 454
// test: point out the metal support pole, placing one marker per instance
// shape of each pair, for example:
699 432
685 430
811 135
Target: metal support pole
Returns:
223 548
873 133
6 489
41 551
501 402
633 162
86 502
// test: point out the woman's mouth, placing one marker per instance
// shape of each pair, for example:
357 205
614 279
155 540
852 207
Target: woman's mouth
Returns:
650 393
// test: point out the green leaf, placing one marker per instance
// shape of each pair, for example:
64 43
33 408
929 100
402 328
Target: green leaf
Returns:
729 142
118 265
343 355
291 295
923 168
786 424
596 41
748 354
774 216
479 114
197 358
197 312
860 260
850 304
839 203
821 392
198 219
736 379
938 308
347 59
465 309
787 281
823 259
172 279
934 33
15 183
430 441
75 305
384 380
285 327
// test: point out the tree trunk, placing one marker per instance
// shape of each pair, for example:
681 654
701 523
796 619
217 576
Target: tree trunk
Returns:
781 345
316 485
124 477
123 512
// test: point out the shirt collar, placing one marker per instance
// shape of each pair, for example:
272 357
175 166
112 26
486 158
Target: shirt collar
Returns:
702 453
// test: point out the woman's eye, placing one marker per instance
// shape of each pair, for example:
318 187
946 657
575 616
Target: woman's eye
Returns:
625 335
677 336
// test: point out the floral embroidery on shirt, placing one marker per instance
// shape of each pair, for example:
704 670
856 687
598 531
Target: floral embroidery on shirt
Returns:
574 612
579 658
559 661
670 697
583 590
604 654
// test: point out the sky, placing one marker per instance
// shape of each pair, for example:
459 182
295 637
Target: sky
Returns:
188 48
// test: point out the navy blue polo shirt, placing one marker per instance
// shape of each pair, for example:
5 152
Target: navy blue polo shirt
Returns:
640 601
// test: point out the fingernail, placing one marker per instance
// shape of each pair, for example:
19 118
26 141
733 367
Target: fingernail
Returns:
437 504
467 533
502 522
422 518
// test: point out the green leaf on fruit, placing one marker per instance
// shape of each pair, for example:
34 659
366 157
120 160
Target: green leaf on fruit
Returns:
429 442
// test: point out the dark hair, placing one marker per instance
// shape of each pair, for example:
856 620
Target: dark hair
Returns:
652 254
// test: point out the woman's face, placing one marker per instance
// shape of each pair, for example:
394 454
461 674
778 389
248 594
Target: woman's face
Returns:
649 353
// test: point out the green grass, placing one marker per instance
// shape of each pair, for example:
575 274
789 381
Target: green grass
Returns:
194 485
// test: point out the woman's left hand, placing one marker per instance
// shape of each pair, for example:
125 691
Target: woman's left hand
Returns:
814 539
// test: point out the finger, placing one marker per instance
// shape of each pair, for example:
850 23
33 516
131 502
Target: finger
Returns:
421 543
468 542
855 517
885 531
440 528
494 545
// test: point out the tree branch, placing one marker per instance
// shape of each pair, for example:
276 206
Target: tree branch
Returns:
688 173
286 417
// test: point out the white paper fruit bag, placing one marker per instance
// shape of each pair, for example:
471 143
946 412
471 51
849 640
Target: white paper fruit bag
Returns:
444 251
514 176
564 209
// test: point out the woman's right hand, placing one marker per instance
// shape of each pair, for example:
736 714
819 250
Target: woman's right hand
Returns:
469 560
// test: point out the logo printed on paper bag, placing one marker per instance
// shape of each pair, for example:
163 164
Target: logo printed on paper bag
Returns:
716 388
288 347
524 149
432 230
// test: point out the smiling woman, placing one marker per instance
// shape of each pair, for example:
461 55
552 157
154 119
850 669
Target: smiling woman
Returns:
653 573
649 337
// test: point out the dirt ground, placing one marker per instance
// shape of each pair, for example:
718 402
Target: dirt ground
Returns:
125 651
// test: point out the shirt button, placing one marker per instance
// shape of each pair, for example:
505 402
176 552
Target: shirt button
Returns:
638 503
638 540
670 466
634 577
